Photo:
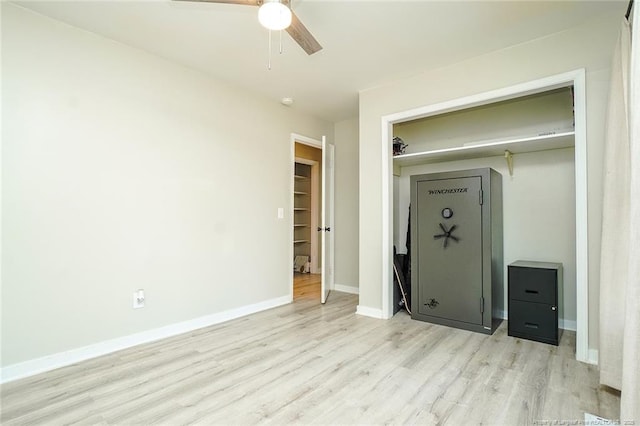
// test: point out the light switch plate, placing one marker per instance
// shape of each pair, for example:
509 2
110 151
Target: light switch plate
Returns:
138 299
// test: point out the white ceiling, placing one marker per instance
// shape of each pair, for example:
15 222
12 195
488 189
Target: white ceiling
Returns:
366 43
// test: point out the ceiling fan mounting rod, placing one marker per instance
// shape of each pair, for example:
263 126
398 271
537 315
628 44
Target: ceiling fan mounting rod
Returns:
284 2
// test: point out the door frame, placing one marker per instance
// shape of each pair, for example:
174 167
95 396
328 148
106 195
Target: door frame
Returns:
574 78
305 140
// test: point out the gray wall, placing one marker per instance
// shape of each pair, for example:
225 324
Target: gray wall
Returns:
120 171
346 203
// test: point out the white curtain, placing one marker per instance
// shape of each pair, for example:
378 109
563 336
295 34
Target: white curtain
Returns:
614 257
630 397
620 255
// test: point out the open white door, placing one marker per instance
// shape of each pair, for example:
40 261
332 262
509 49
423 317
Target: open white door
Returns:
326 227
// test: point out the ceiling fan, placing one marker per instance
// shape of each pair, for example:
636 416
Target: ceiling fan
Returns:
280 10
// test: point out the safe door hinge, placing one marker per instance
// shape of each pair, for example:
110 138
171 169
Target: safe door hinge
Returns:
481 197
482 305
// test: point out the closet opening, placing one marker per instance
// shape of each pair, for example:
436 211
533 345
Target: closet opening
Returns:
534 134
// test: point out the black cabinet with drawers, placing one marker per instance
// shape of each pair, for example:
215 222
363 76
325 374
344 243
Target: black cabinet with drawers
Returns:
535 300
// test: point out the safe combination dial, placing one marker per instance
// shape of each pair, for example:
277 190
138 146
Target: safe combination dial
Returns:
446 234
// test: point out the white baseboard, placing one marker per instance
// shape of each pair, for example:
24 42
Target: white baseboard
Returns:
62 359
346 288
369 312
566 324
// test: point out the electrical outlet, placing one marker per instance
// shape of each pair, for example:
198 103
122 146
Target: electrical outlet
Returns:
280 212
138 299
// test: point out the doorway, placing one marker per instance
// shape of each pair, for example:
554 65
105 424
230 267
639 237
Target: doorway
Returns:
312 161
307 205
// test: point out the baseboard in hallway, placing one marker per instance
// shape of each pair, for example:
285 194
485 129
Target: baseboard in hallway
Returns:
346 288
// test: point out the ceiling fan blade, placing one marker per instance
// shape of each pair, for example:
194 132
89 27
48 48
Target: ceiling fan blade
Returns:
301 35
245 2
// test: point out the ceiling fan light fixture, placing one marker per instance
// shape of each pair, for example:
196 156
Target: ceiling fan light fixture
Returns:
274 15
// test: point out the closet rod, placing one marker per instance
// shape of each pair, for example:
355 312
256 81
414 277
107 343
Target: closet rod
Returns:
629 9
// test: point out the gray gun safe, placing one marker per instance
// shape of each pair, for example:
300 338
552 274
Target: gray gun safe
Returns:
456 249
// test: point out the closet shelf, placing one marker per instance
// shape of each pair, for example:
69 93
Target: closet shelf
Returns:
489 149
300 241
300 193
300 225
300 209
300 177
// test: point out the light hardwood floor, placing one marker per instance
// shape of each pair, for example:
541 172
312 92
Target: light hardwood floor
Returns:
306 287
309 363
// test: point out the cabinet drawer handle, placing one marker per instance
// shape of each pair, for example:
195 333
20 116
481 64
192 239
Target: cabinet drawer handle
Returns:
530 325
531 291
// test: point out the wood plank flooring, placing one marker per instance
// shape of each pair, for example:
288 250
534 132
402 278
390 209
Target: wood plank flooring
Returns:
307 363
306 287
